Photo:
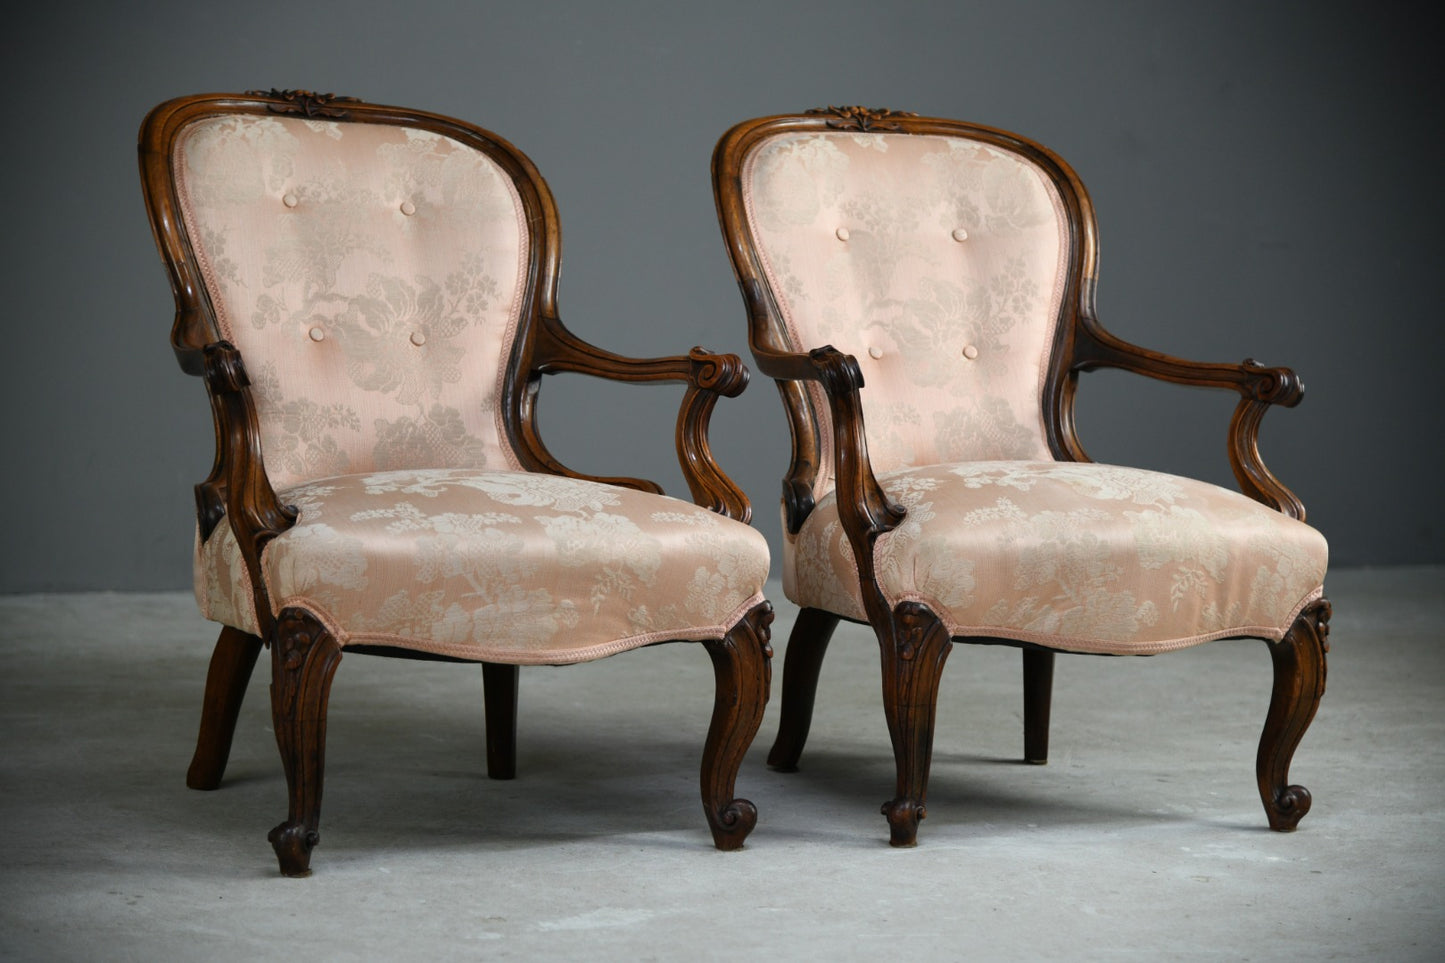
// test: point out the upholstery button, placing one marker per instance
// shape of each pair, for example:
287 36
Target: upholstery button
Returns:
316 334
959 234
418 338
408 208
970 352
875 352
290 200
842 233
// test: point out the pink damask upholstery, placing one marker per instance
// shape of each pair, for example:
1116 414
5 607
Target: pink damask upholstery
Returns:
371 276
937 263
508 567
1077 557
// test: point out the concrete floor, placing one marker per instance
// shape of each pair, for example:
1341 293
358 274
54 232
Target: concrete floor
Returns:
1142 839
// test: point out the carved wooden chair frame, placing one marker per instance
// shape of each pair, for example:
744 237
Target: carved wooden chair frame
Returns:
913 640
304 653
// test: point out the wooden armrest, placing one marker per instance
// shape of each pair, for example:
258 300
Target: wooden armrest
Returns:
708 377
1258 387
560 350
863 507
238 488
1097 348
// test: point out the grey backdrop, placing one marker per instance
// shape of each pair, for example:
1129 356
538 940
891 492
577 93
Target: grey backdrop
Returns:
1265 176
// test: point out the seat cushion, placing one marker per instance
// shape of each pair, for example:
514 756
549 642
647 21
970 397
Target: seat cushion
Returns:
511 567
1078 557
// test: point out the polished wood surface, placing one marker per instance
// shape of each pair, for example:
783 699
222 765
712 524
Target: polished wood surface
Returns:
913 658
807 645
742 667
232 663
1299 682
1081 344
304 659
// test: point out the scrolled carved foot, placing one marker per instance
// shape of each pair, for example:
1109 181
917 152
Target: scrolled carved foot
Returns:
293 843
1288 808
731 825
903 818
1299 682
742 665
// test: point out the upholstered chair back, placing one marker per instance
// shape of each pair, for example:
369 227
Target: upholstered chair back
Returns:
372 277
939 262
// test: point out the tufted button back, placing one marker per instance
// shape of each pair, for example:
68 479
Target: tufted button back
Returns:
906 280
338 268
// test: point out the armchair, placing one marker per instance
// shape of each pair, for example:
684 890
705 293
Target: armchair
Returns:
369 294
951 268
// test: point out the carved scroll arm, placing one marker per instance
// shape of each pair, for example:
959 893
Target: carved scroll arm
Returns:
238 488
1258 387
863 507
708 377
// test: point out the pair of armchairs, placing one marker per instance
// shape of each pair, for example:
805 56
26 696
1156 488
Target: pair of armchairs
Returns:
380 484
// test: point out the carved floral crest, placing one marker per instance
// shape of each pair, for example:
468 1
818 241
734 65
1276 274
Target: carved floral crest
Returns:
862 118
306 103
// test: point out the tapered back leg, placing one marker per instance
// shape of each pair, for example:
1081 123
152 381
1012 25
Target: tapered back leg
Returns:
232 662
499 683
1038 698
802 663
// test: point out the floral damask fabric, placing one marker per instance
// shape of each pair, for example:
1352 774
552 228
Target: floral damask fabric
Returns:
371 277
938 262
511 567
1080 557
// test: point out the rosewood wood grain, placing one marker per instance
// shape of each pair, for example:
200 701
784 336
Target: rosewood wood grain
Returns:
304 657
499 684
306 103
1258 386
861 118
708 376
232 663
914 650
1299 683
807 645
255 514
742 667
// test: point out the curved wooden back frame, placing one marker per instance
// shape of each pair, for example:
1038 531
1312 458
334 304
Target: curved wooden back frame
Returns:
913 639
1080 342
238 486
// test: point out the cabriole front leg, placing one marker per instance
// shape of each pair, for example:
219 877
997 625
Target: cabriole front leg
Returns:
742 664
914 650
1299 682
304 657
